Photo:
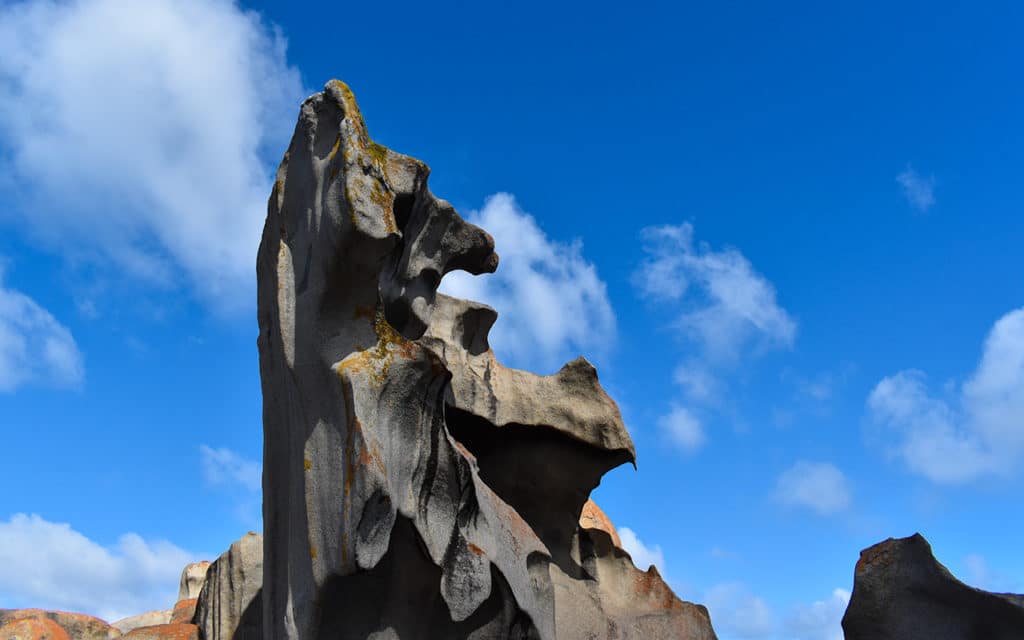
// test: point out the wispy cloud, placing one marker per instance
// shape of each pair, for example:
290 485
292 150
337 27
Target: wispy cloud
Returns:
918 190
34 346
683 429
551 302
820 620
724 304
223 467
736 612
50 565
723 308
819 486
136 132
976 431
238 478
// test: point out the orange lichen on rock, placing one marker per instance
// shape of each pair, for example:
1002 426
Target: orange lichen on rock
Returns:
164 632
77 625
33 629
593 517
184 611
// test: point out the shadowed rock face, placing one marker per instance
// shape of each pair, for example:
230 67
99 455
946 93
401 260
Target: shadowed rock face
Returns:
413 486
901 592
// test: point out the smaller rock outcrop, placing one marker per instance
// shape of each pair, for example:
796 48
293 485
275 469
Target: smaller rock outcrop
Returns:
77 625
184 611
901 592
165 632
192 578
147 619
230 605
33 629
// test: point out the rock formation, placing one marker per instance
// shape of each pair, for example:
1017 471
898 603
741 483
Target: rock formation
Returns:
192 578
148 619
230 605
413 486
78 626
901 592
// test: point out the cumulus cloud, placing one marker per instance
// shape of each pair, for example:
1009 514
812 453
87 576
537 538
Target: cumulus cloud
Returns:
819 486
683 429
820 620
918 190
738 613
550 299
34 346
643 556
978 431
136 132
50 565
224 467
724 304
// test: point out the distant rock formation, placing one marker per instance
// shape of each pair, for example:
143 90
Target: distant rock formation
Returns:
77 626
148 619
192 578
230 605
168 624
413 486
901 592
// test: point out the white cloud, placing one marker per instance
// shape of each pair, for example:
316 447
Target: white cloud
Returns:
225 467
550 300
737 613
643 556
34 346
51 566
821 620
698 382
816 485
919 191
725 307
683 429
724 303
979 431
136 131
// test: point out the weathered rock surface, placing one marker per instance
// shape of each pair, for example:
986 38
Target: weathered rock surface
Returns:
192 577
33 629
184 611
230 605
77 625
593 518
901 592
147 619
413 486
164 632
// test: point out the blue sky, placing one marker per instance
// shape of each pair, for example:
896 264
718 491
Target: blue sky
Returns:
789 237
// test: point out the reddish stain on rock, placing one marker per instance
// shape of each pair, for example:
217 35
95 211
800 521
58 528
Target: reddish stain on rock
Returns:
77 625
593 518
33 629
184 611
164 632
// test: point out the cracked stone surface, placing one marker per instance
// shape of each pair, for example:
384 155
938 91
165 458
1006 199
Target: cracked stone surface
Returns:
413 486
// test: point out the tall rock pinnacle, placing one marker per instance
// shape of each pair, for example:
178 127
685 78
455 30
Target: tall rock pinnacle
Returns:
413 486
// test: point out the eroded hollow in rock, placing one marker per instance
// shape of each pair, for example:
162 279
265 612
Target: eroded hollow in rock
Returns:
399 598
543 474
